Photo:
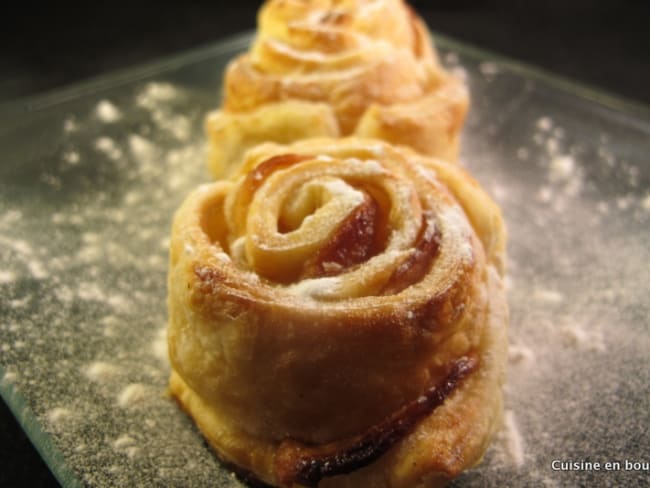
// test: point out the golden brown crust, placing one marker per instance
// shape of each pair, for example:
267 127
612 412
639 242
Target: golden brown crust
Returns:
309 465
324 68
282 333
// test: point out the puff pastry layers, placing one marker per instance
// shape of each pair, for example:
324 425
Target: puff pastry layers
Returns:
337 315
337 68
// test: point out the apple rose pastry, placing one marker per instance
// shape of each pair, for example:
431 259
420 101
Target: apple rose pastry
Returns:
337 315
337 68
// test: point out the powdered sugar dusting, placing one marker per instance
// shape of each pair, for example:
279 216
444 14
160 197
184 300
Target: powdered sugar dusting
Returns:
645 203
70 124
574 195
590 337
83 259
133 395
92 206
159 346
10 376
141 147
157 94
544 123
58 415
108 147
126 444
107 112
71 157
510 441
7 277
158 99
37 269
489 68
458 229
561 168
101 372
520 354
548 296
316 287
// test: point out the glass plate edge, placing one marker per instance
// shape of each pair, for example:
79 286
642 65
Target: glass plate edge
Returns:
580 89
41 440
239 41
32 103
17 404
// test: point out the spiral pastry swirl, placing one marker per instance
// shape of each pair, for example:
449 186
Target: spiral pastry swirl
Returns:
337 68
337 315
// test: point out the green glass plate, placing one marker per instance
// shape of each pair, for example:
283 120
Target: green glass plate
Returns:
89 180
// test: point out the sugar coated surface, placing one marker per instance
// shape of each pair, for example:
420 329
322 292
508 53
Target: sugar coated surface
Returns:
84 235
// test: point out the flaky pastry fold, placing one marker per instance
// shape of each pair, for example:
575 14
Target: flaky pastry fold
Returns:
338 317
337 68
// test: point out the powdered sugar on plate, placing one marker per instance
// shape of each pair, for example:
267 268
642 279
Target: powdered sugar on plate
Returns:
84 232
107 112
82 281
572 184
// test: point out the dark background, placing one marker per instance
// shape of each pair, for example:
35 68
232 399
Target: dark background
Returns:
603 43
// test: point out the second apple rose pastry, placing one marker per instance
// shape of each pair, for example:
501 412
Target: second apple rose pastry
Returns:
338 317
337 68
